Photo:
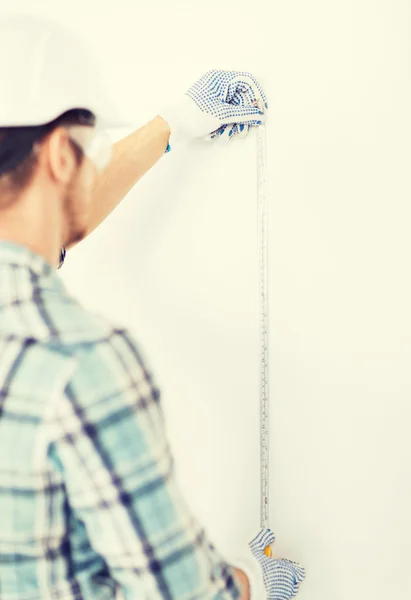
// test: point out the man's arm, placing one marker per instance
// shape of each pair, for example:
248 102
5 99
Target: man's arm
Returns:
199 112
244 583
108 438
133 156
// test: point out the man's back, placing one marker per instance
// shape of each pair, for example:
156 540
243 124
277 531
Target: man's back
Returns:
42 331
87 489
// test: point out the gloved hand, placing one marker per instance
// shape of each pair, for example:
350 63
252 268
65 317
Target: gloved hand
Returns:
219 104
281 576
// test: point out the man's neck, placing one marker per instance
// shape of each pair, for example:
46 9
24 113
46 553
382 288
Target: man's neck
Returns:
33 221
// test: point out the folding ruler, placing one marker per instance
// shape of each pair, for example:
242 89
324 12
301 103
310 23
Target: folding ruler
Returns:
262 229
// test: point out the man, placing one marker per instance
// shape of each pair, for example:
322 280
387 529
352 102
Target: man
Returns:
89 504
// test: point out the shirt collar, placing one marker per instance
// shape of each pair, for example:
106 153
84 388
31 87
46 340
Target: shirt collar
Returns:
18 254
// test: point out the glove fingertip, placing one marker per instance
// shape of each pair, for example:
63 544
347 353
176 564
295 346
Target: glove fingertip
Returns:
244 128
270 535
298 570
300 573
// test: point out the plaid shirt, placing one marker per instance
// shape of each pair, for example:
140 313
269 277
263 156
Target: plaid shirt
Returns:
89 503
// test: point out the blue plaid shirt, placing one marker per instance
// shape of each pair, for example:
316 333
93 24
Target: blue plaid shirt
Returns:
89 503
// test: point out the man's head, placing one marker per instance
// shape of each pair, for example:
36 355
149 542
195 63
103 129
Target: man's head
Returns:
52 96
53 167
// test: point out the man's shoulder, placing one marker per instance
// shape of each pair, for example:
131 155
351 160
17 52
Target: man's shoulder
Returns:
101 359
90 337
87 347
58 321
59 326
73 327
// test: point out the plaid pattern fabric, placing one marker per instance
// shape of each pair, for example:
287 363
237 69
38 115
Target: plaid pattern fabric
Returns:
89 502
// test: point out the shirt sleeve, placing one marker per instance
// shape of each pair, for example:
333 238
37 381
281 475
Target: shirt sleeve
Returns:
110 441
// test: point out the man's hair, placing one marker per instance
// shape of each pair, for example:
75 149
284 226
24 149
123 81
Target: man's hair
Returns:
14 181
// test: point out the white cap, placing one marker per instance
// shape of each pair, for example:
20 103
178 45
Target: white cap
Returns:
47 70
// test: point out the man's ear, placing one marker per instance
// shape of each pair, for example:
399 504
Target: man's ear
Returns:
59 155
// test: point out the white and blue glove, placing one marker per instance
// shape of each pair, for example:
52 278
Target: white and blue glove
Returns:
281 576
220 104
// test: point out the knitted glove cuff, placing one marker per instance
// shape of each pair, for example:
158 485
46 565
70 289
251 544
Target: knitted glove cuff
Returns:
186 120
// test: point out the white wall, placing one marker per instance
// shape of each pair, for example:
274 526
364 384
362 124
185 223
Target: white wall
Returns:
177 264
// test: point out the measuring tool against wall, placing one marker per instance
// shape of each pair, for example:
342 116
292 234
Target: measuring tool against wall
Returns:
262 234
